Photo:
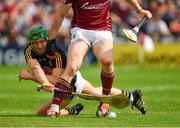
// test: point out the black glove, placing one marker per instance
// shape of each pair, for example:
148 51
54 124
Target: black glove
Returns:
51 47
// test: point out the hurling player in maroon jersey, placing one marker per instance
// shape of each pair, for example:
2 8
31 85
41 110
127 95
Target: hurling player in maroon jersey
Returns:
91 28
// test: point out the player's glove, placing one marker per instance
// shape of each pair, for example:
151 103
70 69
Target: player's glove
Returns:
51 47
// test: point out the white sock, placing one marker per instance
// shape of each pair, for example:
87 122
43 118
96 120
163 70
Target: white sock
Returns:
55 107
131 98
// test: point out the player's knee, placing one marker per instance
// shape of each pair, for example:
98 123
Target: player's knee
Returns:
107 62
107 65
72 69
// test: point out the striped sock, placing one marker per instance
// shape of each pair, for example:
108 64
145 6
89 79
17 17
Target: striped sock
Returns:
71 110
128 95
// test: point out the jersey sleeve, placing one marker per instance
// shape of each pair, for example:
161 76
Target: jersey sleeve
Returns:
65 1
28 52
63 57
60 60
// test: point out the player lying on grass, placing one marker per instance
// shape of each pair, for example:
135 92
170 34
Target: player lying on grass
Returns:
46 68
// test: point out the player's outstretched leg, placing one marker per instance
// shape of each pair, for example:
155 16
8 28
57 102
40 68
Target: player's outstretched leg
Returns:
138 101
76 109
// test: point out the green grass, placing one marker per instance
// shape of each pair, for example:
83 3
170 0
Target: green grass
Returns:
19 100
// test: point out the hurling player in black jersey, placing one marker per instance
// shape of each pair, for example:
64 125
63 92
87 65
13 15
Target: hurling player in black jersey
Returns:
45 68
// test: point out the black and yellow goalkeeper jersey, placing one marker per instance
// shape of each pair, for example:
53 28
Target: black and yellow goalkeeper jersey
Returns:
48 61
58 60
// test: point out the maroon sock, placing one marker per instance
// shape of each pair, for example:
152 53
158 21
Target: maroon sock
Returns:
58 97
107 81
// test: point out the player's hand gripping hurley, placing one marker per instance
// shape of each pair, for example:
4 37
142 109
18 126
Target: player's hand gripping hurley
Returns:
132 34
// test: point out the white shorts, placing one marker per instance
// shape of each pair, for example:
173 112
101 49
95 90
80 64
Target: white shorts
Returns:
89 36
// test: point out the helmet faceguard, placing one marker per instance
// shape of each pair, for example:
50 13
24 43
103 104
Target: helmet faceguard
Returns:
38 33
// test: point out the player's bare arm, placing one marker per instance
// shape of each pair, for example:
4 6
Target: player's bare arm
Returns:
39 74
53 78
26 75
61 11
139 9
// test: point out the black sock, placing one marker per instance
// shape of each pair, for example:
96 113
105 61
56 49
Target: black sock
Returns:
71 110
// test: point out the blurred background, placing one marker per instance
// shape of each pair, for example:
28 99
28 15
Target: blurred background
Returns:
158 44
152 64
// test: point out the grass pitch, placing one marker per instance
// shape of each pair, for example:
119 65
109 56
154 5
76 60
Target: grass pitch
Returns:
161 91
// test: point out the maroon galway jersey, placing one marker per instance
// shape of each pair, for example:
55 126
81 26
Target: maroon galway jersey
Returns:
90 14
